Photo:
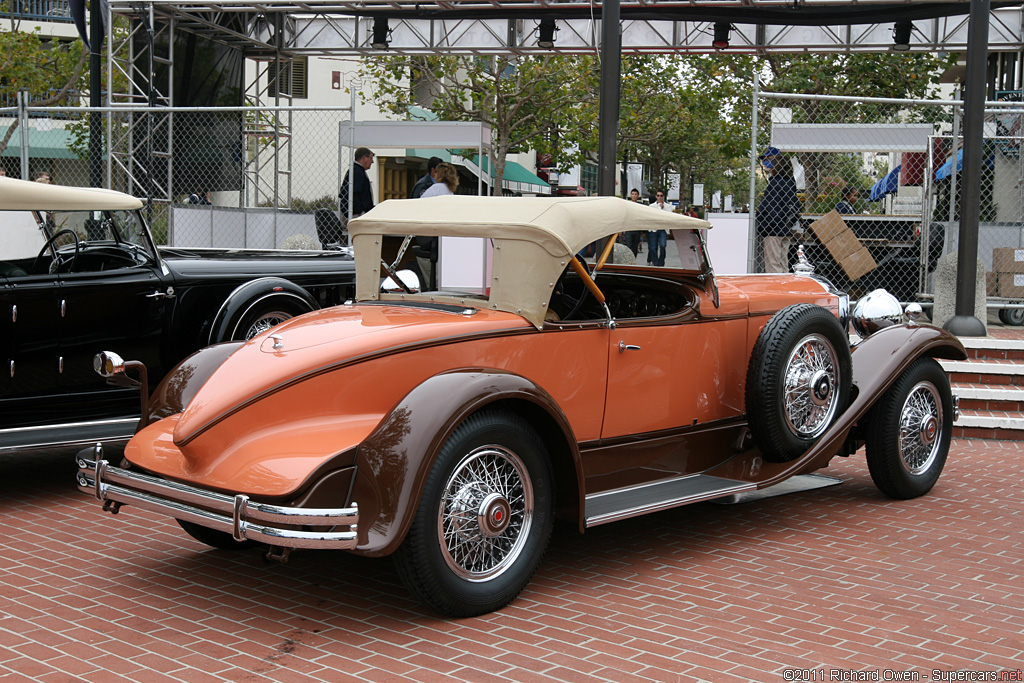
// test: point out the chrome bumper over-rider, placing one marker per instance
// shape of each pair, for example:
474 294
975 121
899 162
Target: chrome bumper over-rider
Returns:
236 515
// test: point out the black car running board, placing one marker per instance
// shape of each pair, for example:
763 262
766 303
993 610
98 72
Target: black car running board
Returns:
611 506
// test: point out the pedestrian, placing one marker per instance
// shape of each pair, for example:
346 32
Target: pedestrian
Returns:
427 180
631 238
43 177
778 211
3 172
199 198
657 240
850 195
446 179
362 194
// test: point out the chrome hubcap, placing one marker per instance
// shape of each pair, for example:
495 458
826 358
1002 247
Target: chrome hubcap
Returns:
810 397
486 513
920 428
264 323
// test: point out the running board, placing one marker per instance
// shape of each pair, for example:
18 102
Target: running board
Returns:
611 506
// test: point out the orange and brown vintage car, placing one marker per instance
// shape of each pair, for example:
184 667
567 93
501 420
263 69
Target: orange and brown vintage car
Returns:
450 429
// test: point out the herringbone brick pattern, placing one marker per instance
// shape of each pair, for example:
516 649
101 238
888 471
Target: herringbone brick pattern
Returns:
835 579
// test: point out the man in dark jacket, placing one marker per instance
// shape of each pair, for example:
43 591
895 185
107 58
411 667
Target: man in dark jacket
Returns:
777 212
362 196
427 180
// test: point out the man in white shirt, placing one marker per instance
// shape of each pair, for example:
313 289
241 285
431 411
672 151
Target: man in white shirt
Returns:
657 240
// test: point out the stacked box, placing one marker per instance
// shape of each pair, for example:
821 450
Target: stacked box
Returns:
1008 266
832 231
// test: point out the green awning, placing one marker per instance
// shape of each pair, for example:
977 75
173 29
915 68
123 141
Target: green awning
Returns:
517 177
442 154
42 144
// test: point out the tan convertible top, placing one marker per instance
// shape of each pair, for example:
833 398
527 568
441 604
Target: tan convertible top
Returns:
24 195
562 226
533 240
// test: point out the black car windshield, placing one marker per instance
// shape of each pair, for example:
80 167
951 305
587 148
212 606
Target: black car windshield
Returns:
98 226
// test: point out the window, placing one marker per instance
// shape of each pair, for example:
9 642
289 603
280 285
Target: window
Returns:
293 81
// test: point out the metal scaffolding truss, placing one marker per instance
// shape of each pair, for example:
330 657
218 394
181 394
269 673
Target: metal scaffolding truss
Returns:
325 27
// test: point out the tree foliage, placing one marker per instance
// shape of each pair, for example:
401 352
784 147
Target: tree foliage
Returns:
51 71
518 97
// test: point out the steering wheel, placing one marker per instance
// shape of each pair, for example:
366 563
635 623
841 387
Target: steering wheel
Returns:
58 261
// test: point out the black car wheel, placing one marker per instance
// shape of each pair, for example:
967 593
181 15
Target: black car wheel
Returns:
484 519
1012 316
213 538
261 315
798 380
909 430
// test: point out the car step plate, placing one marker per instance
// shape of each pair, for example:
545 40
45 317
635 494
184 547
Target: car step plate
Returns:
801 482
610 506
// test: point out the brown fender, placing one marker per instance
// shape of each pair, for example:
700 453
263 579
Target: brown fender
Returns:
180 385
395 459
878 361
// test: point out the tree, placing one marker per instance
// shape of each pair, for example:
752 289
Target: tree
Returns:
52 72
516 96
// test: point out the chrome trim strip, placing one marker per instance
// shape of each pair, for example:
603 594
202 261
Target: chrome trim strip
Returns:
71 425
665 504
235 515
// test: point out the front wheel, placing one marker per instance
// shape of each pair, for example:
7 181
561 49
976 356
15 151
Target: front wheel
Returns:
1012 316
261 315
909 430
484 519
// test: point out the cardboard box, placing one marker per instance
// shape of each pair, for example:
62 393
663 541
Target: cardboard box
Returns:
1011 285
1007 260
854 258
828 226
858 263
991 284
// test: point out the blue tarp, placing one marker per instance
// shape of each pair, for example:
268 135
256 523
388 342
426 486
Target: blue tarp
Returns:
943 172
887 185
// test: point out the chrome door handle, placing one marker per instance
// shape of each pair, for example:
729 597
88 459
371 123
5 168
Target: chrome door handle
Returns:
158 294
623 347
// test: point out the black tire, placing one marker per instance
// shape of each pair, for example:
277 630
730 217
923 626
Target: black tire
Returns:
484 520
259 316
798 380
1012 316
908 431
213 538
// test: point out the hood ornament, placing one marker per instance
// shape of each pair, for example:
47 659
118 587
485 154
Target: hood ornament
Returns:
802 265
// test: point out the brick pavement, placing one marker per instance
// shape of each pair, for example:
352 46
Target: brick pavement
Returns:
838 578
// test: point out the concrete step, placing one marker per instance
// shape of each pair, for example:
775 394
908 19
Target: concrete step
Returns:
990 384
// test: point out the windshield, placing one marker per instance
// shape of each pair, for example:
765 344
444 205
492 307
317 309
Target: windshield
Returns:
124 227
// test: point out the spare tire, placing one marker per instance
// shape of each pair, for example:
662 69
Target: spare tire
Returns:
798 380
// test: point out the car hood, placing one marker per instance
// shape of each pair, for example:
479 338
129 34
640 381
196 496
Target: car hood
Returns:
202 261
327 340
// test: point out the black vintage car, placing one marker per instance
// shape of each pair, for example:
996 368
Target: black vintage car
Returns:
80 273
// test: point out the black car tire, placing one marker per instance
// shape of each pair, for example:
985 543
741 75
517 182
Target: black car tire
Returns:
484 519
798 380
259 316
1012 316
908 431
213 538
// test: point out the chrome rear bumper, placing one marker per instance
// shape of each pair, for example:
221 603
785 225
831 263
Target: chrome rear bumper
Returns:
235 515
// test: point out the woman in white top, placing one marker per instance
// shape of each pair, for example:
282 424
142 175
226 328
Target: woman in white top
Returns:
446 179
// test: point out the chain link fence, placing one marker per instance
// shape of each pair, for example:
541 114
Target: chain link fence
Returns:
869 195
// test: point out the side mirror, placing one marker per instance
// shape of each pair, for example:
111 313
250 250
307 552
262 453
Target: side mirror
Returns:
408 277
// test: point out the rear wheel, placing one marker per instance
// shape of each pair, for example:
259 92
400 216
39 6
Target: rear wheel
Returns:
909 430
484 519
260 316
1012 316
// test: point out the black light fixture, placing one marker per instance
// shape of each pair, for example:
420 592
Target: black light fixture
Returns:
546 34
380 33
721 40
901 36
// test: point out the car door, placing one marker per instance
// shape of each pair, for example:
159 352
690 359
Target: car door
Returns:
650 377
123 310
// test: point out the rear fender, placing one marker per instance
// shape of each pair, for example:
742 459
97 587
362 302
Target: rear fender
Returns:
179 386
395 459
251 293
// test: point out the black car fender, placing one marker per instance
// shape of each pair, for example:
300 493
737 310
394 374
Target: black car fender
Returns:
393 462
247 296
179 386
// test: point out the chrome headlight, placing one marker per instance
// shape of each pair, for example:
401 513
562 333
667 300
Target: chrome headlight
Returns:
875 311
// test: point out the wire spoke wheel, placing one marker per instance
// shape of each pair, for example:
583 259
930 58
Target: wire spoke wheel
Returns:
908 431
264 322
810 390
920 425
485 514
